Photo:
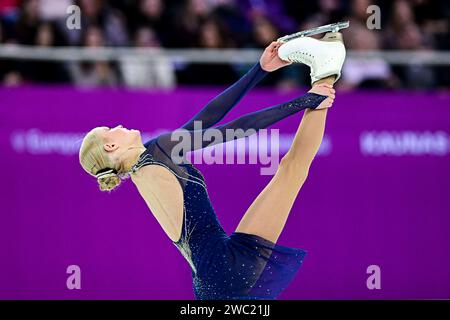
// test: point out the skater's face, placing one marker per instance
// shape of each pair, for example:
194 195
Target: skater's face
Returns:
118 138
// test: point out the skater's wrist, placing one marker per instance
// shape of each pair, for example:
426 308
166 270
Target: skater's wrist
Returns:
262 68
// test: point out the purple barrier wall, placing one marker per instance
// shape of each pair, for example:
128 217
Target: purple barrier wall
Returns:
377 194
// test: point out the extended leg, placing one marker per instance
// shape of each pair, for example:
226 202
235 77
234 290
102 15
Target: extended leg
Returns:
268 214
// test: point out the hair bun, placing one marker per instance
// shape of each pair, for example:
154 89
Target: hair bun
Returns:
109 181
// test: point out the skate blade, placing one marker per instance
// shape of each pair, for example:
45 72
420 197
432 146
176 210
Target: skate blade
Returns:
334 27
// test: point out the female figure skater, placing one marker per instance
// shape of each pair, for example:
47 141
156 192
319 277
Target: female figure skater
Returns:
248 264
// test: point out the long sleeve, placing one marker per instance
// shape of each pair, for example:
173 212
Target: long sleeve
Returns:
181 141
218 107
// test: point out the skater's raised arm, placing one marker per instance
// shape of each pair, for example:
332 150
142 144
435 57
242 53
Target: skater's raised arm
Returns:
179 142
218 107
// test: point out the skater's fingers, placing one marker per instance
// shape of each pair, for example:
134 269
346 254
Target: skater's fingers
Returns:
272 45
331 93
275 45
324 85
271 49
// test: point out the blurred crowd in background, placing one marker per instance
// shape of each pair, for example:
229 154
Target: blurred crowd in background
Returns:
405 25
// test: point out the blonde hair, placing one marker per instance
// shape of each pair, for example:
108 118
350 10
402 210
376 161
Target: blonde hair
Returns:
96 161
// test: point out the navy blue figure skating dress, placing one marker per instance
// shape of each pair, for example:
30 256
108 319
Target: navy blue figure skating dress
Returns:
239 266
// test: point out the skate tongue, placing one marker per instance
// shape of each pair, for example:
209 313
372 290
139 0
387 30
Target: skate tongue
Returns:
334 27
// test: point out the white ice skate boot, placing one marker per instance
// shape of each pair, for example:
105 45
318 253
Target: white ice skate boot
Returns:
325 56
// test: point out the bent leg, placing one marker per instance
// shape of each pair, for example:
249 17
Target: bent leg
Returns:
267 215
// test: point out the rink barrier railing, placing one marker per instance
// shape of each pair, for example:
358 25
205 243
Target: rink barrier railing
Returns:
231 56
